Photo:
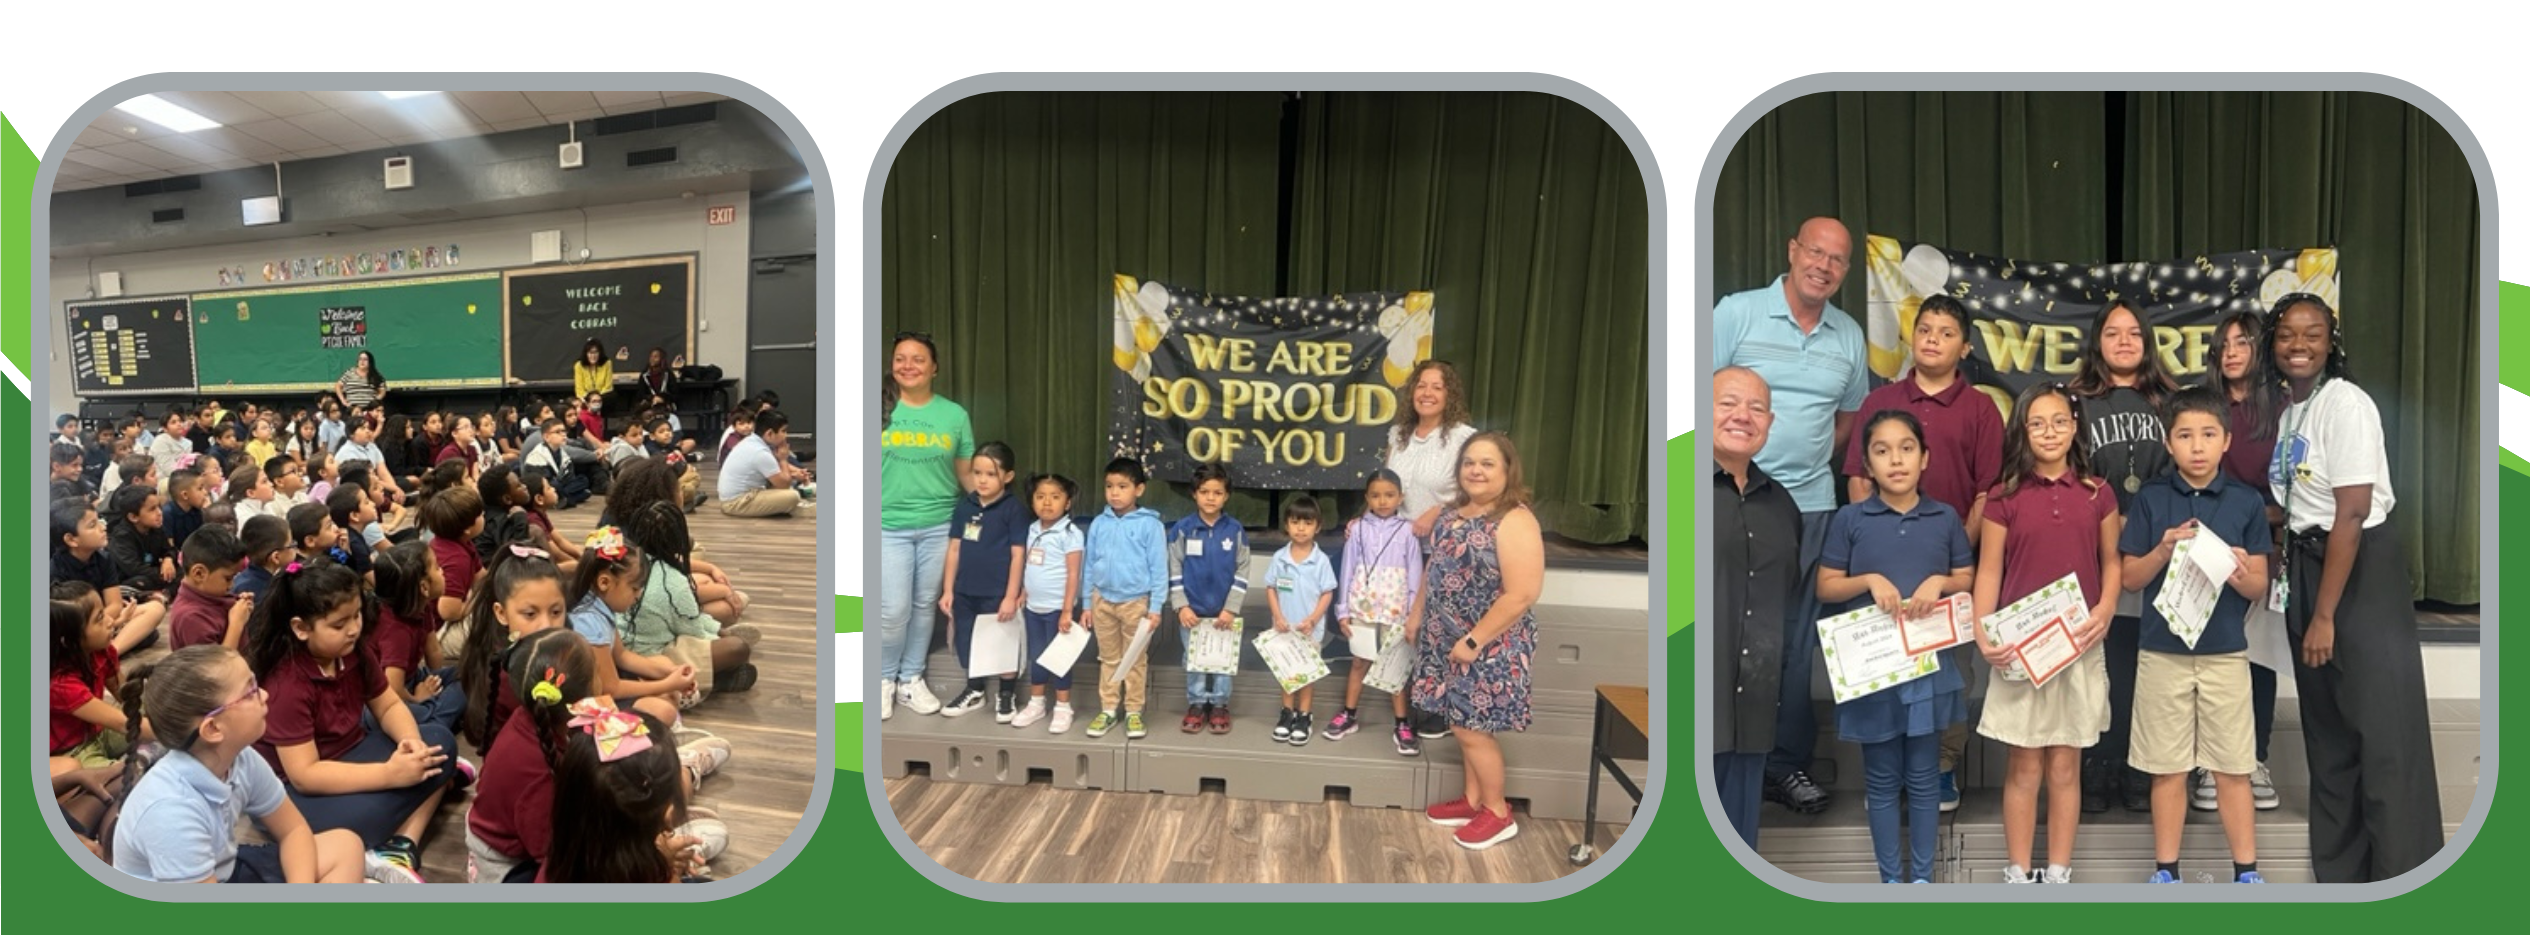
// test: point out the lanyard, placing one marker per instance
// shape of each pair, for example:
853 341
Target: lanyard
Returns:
2295 416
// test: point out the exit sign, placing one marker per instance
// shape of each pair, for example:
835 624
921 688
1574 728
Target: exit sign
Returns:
723 214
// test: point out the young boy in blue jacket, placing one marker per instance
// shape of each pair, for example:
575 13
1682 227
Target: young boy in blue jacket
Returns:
1127 580
1207 579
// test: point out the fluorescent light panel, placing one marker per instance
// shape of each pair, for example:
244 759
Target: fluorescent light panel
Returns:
400 95
165 113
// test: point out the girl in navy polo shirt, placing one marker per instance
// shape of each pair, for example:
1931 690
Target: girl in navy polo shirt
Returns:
988 531
2047 519
383 782
1905 552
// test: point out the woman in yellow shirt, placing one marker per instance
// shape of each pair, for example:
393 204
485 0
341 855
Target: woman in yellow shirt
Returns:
594 372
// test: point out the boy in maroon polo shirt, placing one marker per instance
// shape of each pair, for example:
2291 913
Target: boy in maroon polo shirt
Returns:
1963 455
203 612
453 517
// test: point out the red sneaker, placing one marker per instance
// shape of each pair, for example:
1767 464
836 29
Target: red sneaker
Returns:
1451 814
1486 830
1194 722
1221 719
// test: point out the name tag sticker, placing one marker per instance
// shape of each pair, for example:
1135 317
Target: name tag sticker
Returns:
1194 547
1036 556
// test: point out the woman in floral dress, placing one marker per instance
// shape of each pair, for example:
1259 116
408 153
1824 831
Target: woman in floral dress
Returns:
1474 635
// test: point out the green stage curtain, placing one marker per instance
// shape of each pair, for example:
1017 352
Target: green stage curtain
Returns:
2017 174
1526 217
1006 217
2386 185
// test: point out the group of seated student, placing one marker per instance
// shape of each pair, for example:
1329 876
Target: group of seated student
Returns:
336 618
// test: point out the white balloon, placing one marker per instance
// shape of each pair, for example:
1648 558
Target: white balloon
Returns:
1927 270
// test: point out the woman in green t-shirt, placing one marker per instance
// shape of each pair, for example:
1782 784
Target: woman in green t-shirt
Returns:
924 443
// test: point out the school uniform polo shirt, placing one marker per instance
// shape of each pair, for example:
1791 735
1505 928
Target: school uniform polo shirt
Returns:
397 641
305 705
1907 547
2051 527
179 822
985 533
197 618
2227 508
1963 439
1757 573
1813 377
1048 553
513 807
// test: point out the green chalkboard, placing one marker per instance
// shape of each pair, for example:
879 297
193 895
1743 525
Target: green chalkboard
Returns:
425 332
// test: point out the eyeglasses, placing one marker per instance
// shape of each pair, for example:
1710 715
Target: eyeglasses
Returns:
1816 255
254 690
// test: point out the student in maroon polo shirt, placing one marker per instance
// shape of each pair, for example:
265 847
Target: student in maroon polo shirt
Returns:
306 650
203 611
509 827
1963 455
2048 518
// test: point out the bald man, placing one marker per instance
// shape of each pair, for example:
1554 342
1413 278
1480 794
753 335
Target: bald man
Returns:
1757 572
1811 354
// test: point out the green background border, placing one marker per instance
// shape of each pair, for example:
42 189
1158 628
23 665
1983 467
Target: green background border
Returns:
850 874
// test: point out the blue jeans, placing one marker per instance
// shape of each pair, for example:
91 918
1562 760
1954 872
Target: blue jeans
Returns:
1201 688
1911 764
1739 781
1796 717
909 565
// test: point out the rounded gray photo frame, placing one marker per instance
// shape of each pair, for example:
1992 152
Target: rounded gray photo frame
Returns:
2488 558
40 369
1657 200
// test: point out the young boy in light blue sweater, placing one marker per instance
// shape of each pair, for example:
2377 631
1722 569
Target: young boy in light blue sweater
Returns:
1126 573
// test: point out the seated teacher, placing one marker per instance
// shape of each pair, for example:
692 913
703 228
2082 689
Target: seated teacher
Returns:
757 479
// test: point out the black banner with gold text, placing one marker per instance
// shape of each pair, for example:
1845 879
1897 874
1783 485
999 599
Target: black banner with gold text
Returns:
1288 392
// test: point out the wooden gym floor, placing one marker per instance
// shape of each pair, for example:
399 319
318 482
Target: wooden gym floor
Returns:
1040 834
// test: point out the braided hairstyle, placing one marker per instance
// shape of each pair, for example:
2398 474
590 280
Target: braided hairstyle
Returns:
487 637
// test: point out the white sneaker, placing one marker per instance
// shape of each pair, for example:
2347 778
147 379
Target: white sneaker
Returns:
2059 874
1062 722
965 701
702 755
886 699
2262 789
2201 791
1030 715
711 832
916 697
378 869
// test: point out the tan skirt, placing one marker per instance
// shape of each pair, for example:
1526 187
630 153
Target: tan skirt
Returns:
697 652
2072 711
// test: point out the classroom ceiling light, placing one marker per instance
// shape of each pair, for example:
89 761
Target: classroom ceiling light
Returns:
400 95
165 113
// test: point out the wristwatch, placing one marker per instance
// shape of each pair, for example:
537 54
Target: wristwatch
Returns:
1471 643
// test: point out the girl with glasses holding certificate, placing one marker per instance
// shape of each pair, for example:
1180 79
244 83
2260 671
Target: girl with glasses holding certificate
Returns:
2048 519
1903 551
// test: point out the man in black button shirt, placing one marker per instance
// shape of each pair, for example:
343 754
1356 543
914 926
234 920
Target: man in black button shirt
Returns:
1757 576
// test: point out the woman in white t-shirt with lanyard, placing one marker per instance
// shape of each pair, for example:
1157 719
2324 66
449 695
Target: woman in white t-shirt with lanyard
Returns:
1423 449
2375 809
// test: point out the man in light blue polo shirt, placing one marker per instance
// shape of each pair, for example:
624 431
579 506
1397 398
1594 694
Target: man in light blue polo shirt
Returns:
1812 355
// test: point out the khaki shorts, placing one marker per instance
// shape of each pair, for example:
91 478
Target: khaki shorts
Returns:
2192 712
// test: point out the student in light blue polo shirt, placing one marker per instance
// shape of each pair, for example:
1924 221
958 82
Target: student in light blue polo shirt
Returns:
179 823
1812 355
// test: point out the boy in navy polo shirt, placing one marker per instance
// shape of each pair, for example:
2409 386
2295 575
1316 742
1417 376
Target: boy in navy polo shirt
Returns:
2192 702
